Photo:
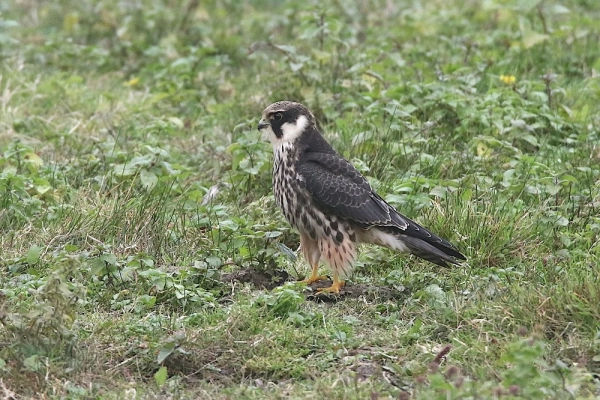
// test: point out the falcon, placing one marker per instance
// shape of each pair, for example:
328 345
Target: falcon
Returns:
331 204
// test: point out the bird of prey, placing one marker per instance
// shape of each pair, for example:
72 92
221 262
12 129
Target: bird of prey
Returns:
331 204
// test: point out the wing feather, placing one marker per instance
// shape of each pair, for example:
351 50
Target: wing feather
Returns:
338 187
341 190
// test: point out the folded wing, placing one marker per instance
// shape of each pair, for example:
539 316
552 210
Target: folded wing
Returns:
342 191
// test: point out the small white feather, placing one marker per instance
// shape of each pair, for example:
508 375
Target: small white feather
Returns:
381 238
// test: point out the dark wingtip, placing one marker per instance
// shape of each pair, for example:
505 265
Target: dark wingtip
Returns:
433 252
452 251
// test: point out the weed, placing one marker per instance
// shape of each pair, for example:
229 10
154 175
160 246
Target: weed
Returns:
135 194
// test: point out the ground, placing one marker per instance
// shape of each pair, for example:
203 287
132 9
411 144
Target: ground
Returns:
141 251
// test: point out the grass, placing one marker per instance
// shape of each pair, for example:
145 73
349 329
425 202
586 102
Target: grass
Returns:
135 194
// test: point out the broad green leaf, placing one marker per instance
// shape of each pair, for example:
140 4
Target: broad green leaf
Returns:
109 258
34 160
272 234
140 161
33 254
214 261
148 179
160 377
286 49
165 351
532 38
97 266
289 253
467 194
33 363
177 122
438 191
531 140
562 221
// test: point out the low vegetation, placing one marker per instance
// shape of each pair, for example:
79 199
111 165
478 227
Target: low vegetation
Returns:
142 254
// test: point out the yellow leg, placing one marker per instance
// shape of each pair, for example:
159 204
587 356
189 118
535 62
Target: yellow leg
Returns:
314 277
335 287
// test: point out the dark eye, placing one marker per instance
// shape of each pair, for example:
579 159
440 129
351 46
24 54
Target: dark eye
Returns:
277 116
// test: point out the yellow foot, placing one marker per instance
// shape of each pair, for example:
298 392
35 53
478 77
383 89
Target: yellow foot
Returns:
335 288
313 279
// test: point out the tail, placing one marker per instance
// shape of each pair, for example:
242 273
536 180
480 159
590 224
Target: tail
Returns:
416 240
440 253
398 232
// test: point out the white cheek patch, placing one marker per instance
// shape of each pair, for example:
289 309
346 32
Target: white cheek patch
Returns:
292 131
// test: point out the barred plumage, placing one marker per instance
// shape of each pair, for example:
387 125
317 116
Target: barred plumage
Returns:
331 204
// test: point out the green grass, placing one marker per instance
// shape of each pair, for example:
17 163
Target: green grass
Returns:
479 119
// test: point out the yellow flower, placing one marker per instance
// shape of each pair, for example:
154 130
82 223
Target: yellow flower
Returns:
133 82
508 79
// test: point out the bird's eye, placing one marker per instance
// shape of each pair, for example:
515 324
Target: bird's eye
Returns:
277 116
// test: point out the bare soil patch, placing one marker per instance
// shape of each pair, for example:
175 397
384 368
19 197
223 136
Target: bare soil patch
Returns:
271 279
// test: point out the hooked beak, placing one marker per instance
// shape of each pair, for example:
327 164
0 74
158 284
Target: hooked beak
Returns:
262 124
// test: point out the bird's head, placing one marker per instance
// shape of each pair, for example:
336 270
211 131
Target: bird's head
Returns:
285 121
